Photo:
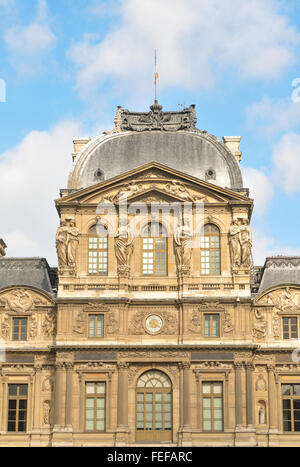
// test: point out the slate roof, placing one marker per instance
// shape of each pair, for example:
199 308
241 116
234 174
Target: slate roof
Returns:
280 270
33 272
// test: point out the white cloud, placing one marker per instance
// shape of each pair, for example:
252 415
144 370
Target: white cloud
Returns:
273 116
261 188
286 160
264 246
31 175
28 43
196 40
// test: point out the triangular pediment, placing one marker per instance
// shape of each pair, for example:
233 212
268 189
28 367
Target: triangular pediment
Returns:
156 180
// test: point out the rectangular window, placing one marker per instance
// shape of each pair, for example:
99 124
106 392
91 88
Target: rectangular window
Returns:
290 327
291 407
20 329
98 255
212 403
154 257
95 406
17 407
96 325
212 325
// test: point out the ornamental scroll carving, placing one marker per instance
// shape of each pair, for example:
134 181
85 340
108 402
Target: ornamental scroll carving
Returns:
169 323
240 243
66 245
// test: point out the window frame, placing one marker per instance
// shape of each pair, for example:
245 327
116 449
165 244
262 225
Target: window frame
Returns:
19 318
289 317
95 408
210 250
211 314
211 396
291 398
98 251
103 320
17 398
155 239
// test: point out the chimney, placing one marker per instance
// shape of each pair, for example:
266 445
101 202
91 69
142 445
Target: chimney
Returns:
233 144
2 248
79 144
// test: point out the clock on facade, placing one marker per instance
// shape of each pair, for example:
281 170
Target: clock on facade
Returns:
154 324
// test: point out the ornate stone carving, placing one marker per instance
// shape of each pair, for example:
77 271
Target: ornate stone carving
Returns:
156 119
111 323
276 325
49 325
240 241
126 191
2 248
177 188
261 384
33 327
262 412
5 327
227 323
80 325
259 330
124 249
48 384
183 248
138 323
66 246
46 412
20 300
195 321
285 301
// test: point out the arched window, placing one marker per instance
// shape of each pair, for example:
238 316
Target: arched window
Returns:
210 250
98 250
154 407
154 250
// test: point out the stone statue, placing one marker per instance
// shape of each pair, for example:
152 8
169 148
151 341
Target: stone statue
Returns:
124 248
183 247
240 242
246 244
235 244
46 410
67 244
262 414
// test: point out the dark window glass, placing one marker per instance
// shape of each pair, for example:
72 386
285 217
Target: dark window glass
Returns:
291 407
17 407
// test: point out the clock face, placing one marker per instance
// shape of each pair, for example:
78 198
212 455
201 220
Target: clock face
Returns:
154 324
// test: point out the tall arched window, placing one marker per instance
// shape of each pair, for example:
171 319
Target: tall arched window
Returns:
210 250
98 250
154 250
154 407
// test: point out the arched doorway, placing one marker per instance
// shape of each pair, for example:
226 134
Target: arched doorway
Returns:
154 407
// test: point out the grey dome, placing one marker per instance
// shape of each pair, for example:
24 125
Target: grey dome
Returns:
191 153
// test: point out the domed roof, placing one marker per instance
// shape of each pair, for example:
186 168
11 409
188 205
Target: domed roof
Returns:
170 138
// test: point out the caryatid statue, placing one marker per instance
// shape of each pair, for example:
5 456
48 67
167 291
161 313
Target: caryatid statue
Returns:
124 249
67 244
235 244
246 244
183 247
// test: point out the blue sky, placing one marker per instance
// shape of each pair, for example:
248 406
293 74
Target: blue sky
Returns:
67 64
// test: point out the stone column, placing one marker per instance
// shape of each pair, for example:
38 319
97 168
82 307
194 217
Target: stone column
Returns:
58 393
122 428
186 430
37 400
69 387
249 392
238 395
272 398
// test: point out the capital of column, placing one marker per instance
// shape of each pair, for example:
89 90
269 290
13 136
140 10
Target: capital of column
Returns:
123 366
238 365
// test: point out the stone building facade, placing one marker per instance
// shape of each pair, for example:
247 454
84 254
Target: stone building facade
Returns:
156 328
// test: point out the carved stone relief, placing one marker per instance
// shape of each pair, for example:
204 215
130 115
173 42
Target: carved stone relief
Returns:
46 412
285 301
169 323
195 321
49 325
183 249
259 330
5 327
124 249
261 384
80 323
227 323
33 327
20 300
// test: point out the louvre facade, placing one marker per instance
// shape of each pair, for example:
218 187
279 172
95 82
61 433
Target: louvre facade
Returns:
155 328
